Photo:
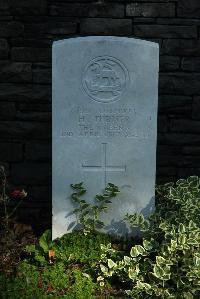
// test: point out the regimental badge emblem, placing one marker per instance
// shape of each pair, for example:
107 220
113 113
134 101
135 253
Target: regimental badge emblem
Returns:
105 78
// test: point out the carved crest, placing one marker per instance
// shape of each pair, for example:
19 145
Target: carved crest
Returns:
105 78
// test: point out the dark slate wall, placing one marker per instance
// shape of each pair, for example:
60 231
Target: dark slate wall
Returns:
27 29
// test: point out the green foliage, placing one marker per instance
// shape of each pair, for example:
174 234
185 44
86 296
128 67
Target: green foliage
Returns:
164 263
167 262
72 247
39 252
76 247
83 286
71 275
45 241
88 214
54 281
24 285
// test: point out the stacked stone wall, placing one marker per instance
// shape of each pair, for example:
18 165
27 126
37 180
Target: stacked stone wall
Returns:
27 30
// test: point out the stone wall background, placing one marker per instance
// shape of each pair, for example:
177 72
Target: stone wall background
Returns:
27 30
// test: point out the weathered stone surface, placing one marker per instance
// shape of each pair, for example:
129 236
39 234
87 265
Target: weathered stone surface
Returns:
31 173
27 92
175 105
38 151
42 75
180 83
36 7
42 65
191 150
34 107
185 125
178 138
165 179
106 26
32 212
33 42
33 205
165 31
11 29
28 19
143 20
166 171
162 124
178 21
25 130
4 48
181 47
42 193
191 64
150 10
6 18
15 72
98 9
11 151
30 54
36 116
196 108
50 28
155 40
4 7
190 161
167 159
169 63
189 8
7 110
165 150
111 135
185 172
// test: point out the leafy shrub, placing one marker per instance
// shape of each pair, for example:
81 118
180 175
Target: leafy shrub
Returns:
72 273
166 264
88 214
80 248
69 248
50 282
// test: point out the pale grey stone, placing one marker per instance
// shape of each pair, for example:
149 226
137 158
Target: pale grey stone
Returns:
104 125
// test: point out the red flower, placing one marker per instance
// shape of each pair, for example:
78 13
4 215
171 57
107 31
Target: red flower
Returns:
18 194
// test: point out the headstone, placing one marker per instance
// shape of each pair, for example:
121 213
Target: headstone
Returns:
104 125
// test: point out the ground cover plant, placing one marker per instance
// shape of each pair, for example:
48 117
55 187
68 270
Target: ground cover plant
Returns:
163 263
166 263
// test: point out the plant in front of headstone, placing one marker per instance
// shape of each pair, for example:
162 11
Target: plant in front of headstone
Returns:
52 281
167 262
88 214
42 253
76 248
72 273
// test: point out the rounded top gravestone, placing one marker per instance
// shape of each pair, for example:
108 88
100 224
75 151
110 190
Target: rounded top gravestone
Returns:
105 93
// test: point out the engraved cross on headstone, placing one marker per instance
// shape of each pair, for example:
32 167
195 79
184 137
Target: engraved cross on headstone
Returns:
104 168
